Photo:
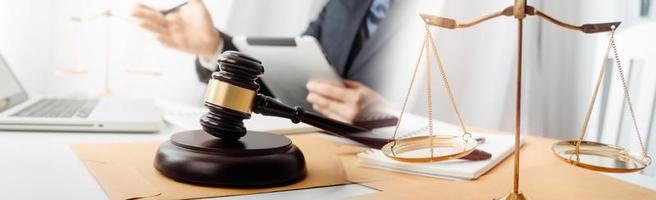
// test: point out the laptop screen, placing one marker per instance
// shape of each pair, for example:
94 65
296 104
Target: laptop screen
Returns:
11 92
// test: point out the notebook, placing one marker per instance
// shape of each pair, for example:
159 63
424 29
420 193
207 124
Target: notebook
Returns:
499 145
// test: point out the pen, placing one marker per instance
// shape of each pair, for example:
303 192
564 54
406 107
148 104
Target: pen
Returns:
167 11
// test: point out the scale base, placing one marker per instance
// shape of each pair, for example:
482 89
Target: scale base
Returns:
514 196
258 159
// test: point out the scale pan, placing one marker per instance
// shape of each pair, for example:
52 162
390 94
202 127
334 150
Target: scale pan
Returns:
600 157
418 149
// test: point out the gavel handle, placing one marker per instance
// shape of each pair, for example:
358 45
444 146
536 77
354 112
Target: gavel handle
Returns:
268 106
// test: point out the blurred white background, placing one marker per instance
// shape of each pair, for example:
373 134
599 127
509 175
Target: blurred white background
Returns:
37 38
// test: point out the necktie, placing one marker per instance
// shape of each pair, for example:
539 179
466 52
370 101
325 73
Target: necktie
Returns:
377 11
375 14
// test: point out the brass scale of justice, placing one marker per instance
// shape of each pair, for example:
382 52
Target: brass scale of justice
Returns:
586 154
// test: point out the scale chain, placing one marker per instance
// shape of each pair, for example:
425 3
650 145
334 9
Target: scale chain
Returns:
593 98
429 94
626 92
445 81
427 45
407 95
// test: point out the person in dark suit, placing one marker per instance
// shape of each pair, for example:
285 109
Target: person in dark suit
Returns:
350 32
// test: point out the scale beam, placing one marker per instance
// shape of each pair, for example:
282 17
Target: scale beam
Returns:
450 23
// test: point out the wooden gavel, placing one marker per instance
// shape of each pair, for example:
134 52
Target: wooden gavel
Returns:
232 96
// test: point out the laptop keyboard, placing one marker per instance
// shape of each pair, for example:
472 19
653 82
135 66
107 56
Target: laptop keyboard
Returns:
59 108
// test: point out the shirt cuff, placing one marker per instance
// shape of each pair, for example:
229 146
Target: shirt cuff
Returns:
211 64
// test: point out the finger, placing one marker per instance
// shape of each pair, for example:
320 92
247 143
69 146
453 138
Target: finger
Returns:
175 29
343 110
329 114
326 102
353 84
337 107
152 27
316 99
166 41
364 93
328 90
146 13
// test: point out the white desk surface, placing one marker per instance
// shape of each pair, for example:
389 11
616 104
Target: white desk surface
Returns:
41 165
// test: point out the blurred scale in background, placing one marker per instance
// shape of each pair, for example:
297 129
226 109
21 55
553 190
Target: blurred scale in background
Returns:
64 47
90 48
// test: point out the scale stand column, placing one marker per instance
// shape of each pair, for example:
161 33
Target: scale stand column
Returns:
519 10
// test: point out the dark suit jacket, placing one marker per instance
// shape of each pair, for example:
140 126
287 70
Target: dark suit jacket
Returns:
336 28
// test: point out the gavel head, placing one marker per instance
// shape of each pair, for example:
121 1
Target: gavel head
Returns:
230 95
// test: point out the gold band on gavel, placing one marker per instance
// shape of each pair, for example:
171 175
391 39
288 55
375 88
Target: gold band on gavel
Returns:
229 96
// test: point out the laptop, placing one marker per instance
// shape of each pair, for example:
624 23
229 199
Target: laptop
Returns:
18 111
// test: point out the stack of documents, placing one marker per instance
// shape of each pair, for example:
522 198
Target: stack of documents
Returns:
499 145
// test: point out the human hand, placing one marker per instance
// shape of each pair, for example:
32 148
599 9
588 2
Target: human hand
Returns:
188 28
342 103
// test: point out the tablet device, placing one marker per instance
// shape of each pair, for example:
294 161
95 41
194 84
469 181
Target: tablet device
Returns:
289 63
